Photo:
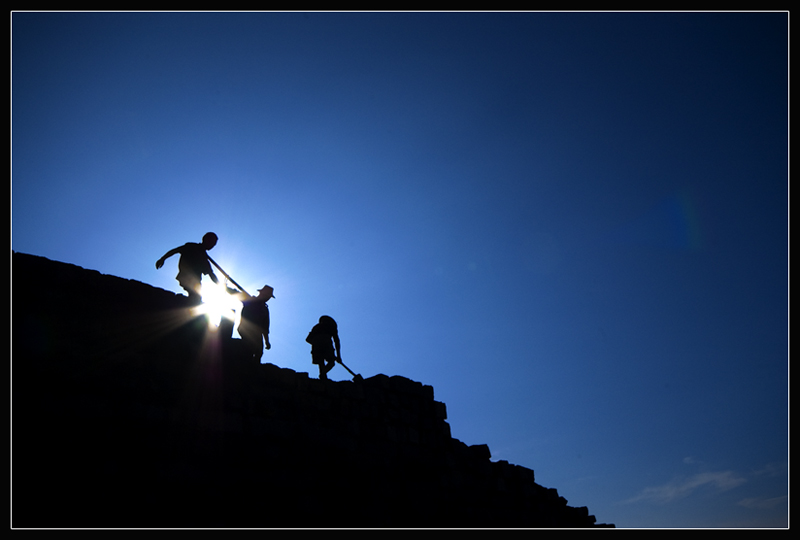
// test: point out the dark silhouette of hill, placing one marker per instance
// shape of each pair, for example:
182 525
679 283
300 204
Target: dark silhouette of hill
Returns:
128 412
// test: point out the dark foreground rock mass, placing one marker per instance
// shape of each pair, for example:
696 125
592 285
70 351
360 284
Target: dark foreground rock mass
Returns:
127 412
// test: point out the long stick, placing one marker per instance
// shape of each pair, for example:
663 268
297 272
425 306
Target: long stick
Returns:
229 278
355 377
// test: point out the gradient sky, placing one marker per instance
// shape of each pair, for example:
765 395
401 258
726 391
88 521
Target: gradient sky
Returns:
574 226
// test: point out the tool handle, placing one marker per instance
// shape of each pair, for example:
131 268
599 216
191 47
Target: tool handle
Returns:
229 278
347 368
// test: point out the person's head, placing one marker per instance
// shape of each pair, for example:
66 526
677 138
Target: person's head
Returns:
266 292
209 240
328 323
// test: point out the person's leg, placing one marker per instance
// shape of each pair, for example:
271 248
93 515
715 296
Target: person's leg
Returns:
192 287
320 361
328 365
258 349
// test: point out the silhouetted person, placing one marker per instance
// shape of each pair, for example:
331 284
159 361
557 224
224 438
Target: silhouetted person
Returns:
254 326
325 347
192 264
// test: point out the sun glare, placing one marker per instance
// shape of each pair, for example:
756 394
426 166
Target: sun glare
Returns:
217 303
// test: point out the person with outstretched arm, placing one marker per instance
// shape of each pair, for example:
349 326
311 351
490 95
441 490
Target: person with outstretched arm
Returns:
193 263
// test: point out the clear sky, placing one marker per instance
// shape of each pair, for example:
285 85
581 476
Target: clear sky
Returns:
574 226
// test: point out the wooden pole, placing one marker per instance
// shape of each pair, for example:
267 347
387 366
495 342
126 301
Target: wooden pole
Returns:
229 278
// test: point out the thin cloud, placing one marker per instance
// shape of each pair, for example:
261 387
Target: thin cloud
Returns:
681 488
771 470
764 504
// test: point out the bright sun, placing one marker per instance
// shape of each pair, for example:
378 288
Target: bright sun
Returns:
217 303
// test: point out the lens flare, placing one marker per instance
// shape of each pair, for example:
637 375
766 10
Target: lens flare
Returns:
218 303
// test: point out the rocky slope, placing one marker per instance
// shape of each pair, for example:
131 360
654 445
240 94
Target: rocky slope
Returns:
128 412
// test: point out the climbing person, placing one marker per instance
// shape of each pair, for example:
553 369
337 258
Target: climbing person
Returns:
192 264
254 325
325 347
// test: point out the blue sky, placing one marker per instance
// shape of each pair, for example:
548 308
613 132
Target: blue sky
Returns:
574 226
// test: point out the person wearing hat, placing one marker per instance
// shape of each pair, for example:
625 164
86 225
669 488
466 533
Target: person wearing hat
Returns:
325 347
192 264
254 326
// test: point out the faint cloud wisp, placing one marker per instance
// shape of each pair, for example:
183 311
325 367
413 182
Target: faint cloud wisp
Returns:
678 489
764 504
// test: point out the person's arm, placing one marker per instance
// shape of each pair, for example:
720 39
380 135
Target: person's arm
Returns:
338 347
167 255
265 330
207 270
